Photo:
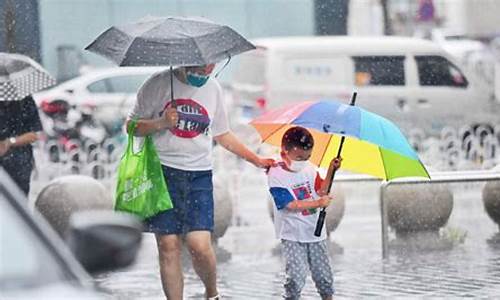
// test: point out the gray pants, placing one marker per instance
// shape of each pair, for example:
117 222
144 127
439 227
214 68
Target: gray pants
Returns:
298 258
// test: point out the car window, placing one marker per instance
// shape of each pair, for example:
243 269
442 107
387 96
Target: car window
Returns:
129 84
379 70
99 87
439 71
25 260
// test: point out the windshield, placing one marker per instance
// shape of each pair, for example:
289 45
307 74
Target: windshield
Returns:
25 260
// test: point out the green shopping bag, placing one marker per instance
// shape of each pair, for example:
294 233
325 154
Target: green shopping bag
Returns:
141 188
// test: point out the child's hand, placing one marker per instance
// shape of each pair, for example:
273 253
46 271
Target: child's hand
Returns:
322 192
336 162
324 201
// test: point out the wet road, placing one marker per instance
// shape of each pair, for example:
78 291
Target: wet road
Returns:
254 269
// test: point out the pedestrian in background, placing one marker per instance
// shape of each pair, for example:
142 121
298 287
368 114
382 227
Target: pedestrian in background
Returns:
19 127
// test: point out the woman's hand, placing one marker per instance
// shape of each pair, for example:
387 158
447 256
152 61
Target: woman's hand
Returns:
170 117
265 163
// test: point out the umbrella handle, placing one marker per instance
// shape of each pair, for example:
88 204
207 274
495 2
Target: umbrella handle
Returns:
172 87
322 213
320 222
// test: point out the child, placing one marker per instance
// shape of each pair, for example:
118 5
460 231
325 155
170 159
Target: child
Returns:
298 193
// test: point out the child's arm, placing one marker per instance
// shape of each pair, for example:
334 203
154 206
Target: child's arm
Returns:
299 205
334 166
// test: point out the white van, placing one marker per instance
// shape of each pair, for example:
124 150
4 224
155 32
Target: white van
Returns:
410 81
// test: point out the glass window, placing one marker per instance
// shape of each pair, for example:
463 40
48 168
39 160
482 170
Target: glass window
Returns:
25 260
129 84
99 87
379 70
438 71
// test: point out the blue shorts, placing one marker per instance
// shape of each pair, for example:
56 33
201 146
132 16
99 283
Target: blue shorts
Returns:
192 196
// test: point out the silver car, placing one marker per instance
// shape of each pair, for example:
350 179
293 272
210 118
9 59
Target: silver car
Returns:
36 264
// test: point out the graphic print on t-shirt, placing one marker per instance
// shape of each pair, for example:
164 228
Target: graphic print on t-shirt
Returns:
303 191
193 118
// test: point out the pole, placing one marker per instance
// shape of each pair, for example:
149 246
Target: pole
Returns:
322 213
172 86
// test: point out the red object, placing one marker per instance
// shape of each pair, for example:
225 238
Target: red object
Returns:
261 103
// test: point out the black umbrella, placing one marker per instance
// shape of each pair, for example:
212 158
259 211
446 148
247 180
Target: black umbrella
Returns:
21 76
169 41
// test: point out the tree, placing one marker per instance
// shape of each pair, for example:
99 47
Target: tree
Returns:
331 17
10 26
387 20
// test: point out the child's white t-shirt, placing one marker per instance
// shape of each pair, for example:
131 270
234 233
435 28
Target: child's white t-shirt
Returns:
286 186
202 116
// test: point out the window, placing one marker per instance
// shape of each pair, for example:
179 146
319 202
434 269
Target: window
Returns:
438 71
127 84
99 87
379 70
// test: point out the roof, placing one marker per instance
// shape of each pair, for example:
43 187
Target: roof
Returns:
349 44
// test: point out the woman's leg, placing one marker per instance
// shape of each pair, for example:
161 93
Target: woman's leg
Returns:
169 250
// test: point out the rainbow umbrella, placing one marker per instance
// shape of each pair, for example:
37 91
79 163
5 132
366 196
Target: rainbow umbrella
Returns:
373 145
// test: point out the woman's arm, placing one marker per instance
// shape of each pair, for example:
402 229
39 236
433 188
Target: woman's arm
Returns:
20 140
229 141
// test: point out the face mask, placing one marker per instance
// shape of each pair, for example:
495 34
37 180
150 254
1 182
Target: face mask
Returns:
297 166
196 79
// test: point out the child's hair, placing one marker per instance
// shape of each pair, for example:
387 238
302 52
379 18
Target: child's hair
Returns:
297 137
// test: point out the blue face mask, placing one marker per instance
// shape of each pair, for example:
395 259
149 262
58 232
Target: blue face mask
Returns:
196 79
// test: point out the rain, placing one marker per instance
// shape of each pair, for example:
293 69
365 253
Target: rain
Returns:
131 170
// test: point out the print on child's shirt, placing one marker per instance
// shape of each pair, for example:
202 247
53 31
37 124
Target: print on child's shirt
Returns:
303 191
193 118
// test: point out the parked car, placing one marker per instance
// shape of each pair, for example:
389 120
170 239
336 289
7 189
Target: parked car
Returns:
111 91
411 81
36 264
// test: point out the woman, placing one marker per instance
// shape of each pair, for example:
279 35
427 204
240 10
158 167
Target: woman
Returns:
19 124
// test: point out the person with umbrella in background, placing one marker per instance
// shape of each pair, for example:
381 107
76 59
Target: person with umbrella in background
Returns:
20 77
183 111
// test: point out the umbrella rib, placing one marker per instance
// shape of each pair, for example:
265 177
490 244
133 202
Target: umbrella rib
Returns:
383 163
324 152
272 133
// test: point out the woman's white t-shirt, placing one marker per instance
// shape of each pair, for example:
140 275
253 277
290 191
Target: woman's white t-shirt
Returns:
202 116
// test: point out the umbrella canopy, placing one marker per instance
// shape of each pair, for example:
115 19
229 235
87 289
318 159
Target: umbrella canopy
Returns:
373 144
169 41
21 76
